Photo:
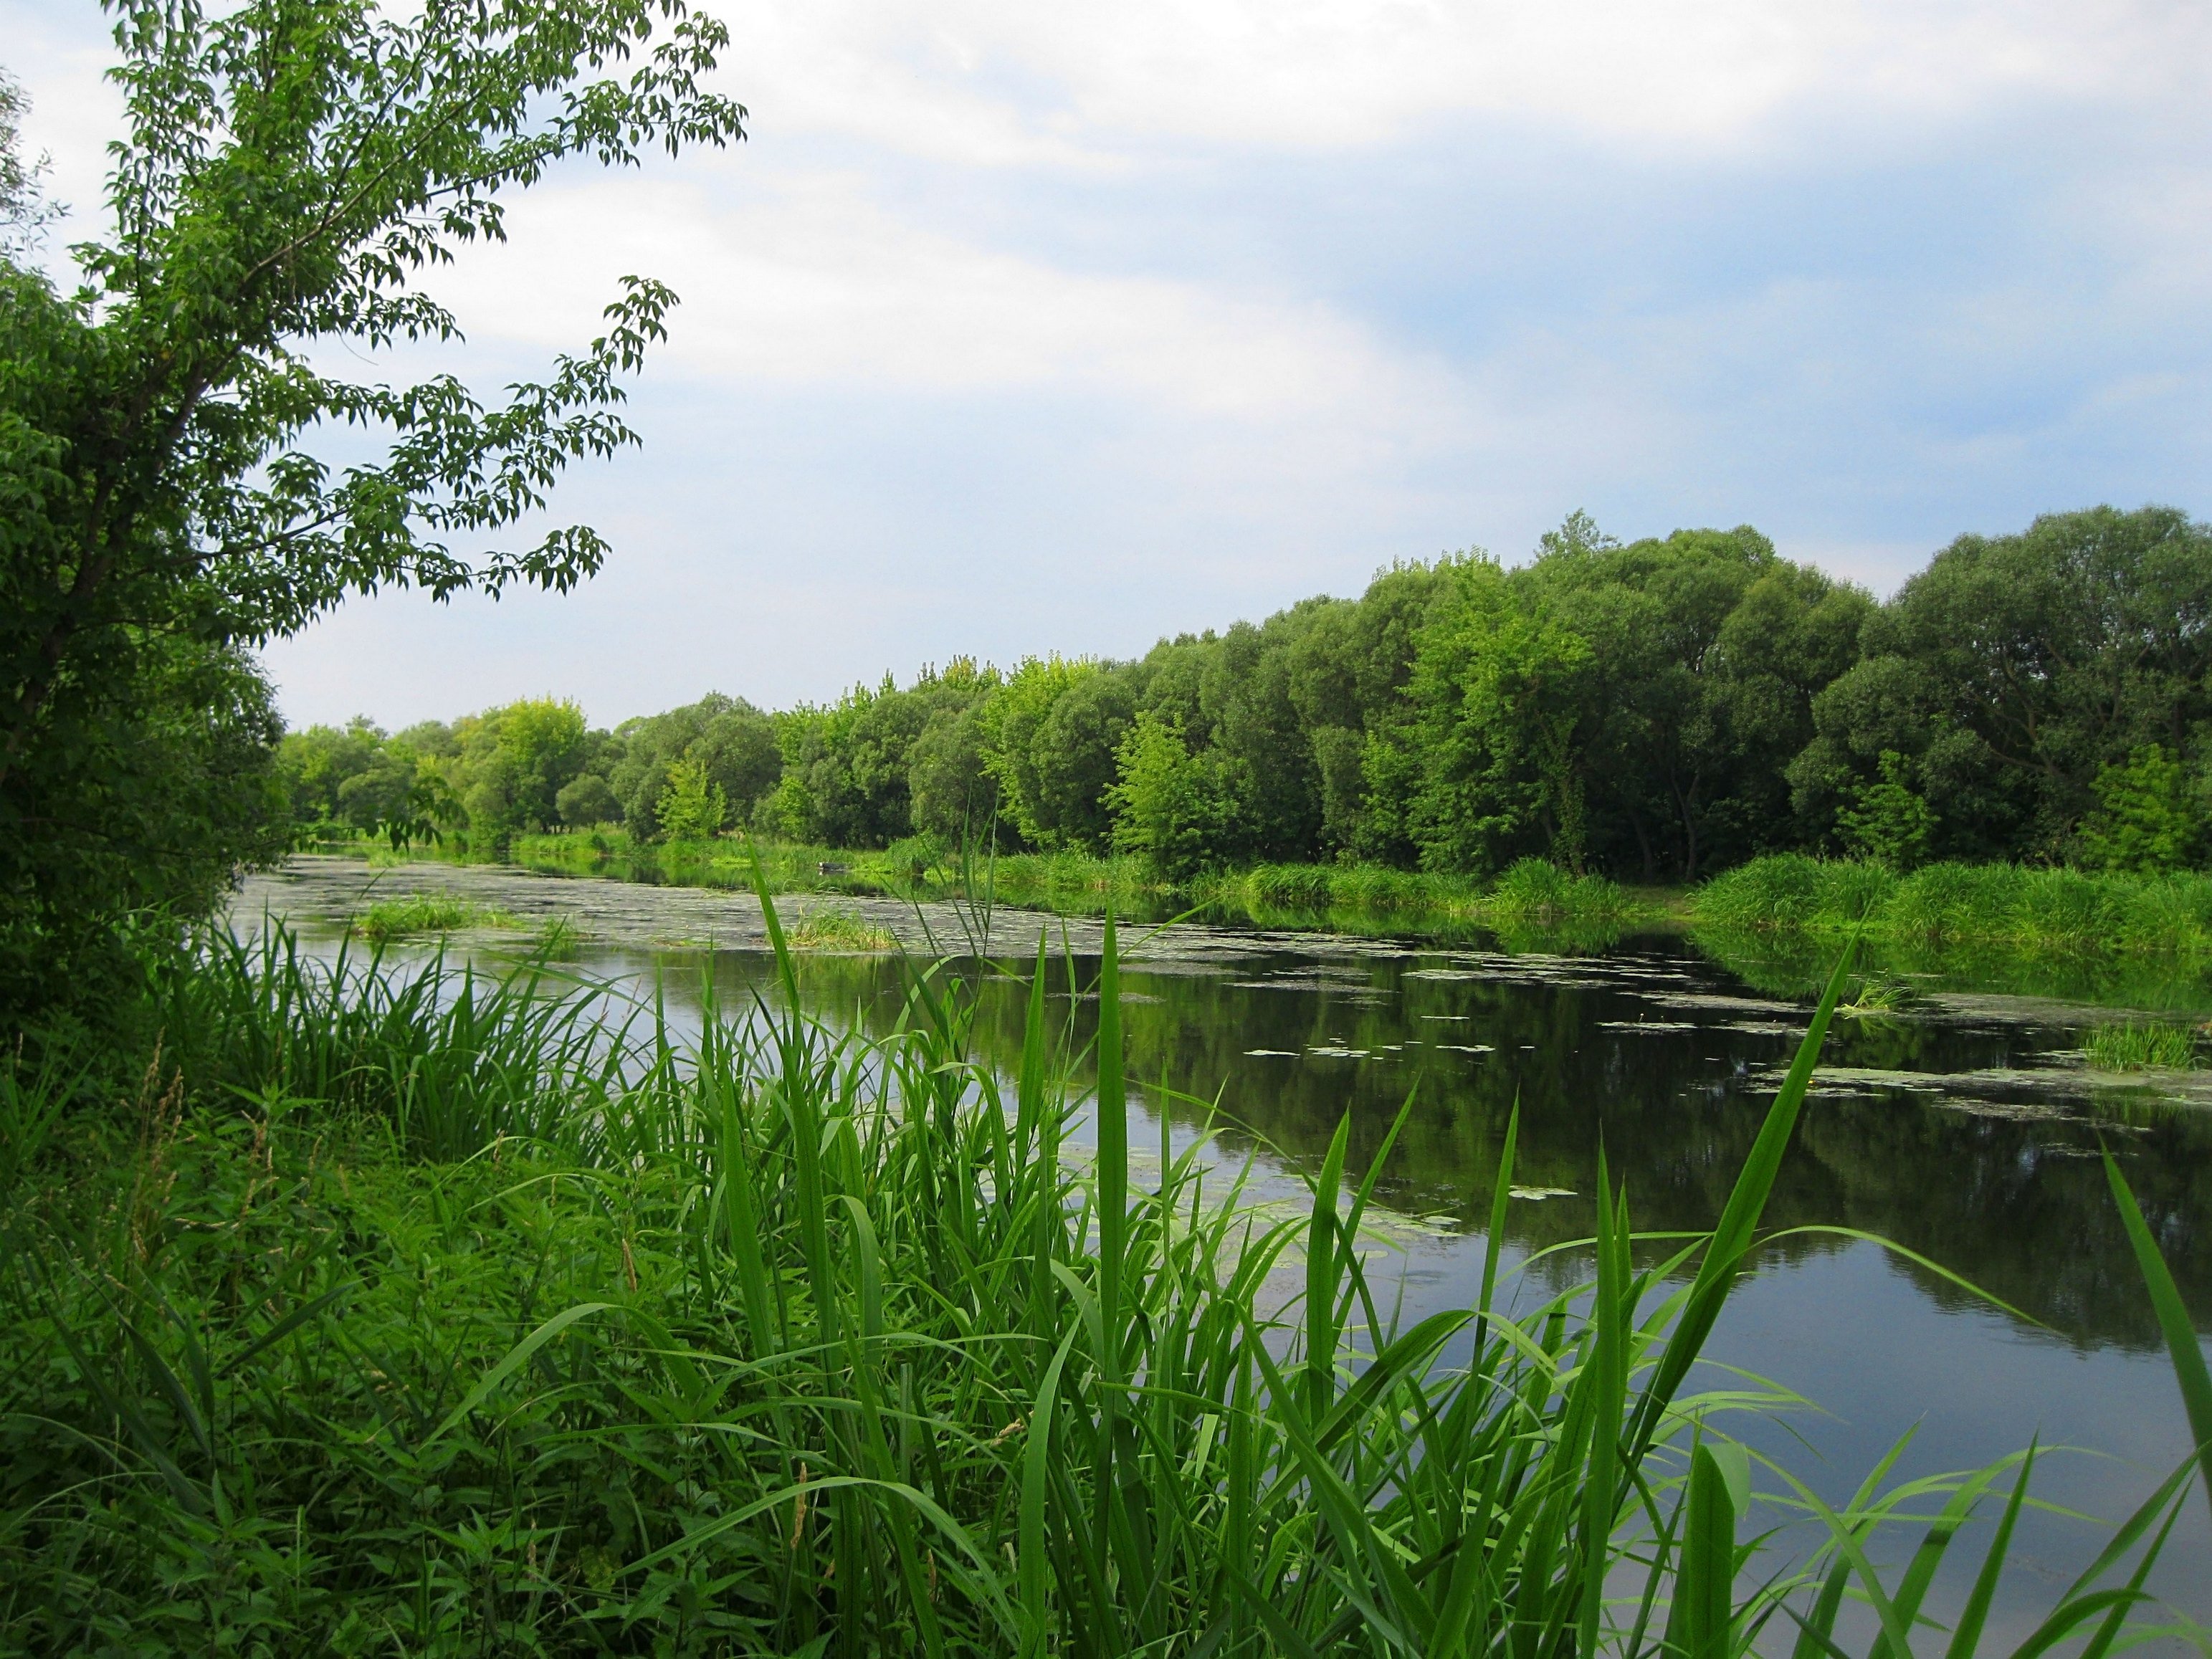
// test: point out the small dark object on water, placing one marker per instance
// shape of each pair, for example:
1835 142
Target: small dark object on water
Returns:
828 868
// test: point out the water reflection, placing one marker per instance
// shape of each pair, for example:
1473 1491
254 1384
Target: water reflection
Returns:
1931 1130
1671 1065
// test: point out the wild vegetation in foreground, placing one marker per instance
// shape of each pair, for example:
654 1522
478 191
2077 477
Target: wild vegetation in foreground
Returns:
414 1310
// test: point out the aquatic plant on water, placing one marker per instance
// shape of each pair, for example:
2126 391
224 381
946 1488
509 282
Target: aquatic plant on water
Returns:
411 1309
2133 1046
839 929
413 914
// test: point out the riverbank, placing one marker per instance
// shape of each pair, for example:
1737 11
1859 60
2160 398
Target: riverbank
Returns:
437 1314
1531 893
2004 905
2049 932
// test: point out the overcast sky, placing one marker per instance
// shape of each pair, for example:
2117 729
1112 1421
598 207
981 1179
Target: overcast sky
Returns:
1018 328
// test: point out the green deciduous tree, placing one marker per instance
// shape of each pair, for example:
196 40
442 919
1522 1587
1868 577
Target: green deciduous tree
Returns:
2053 654
1707 651
512 763
24 211
735 741
289 169
315 765
1050 736
2149 816
587 801
1504 712
692 805
1888 821
1167 803
952 794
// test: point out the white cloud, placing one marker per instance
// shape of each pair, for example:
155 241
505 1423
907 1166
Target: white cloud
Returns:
985 81
1015 327
809 281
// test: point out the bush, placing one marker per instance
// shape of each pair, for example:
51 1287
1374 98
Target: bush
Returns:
2148 818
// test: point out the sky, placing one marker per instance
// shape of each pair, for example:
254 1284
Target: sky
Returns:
1014 329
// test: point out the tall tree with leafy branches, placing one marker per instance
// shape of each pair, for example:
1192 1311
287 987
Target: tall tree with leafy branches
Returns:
289 172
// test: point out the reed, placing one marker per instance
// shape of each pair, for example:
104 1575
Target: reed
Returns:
411 1310
2133 1046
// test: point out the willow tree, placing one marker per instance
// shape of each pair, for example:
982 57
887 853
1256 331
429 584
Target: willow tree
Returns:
288 173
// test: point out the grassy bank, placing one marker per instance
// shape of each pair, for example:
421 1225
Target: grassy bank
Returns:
1531 890
407 1310
2004 905
1532 893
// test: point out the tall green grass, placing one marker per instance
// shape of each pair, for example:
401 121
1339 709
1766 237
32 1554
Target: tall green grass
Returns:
408 1311
2135 1046
2002 904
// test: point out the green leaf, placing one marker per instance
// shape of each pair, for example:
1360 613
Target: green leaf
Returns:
515 1360
2173 1322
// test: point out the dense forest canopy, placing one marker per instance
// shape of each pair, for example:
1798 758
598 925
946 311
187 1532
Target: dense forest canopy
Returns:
1656 710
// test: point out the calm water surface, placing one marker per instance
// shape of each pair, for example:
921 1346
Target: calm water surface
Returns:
1962 1129
1965 1137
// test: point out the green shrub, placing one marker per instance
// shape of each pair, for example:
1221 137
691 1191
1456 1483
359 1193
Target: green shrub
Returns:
2149 818
692 805
1888 823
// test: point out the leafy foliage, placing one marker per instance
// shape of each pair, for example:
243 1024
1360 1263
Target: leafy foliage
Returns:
1166 802
1887 822
2149 816
289 169
692 805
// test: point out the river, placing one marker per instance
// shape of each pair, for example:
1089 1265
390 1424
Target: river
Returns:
1962 1126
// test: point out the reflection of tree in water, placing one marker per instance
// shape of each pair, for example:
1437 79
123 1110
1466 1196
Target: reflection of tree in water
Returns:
1796 965
2019 1208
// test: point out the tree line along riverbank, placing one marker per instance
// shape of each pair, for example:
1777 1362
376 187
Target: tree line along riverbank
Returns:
1659 711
